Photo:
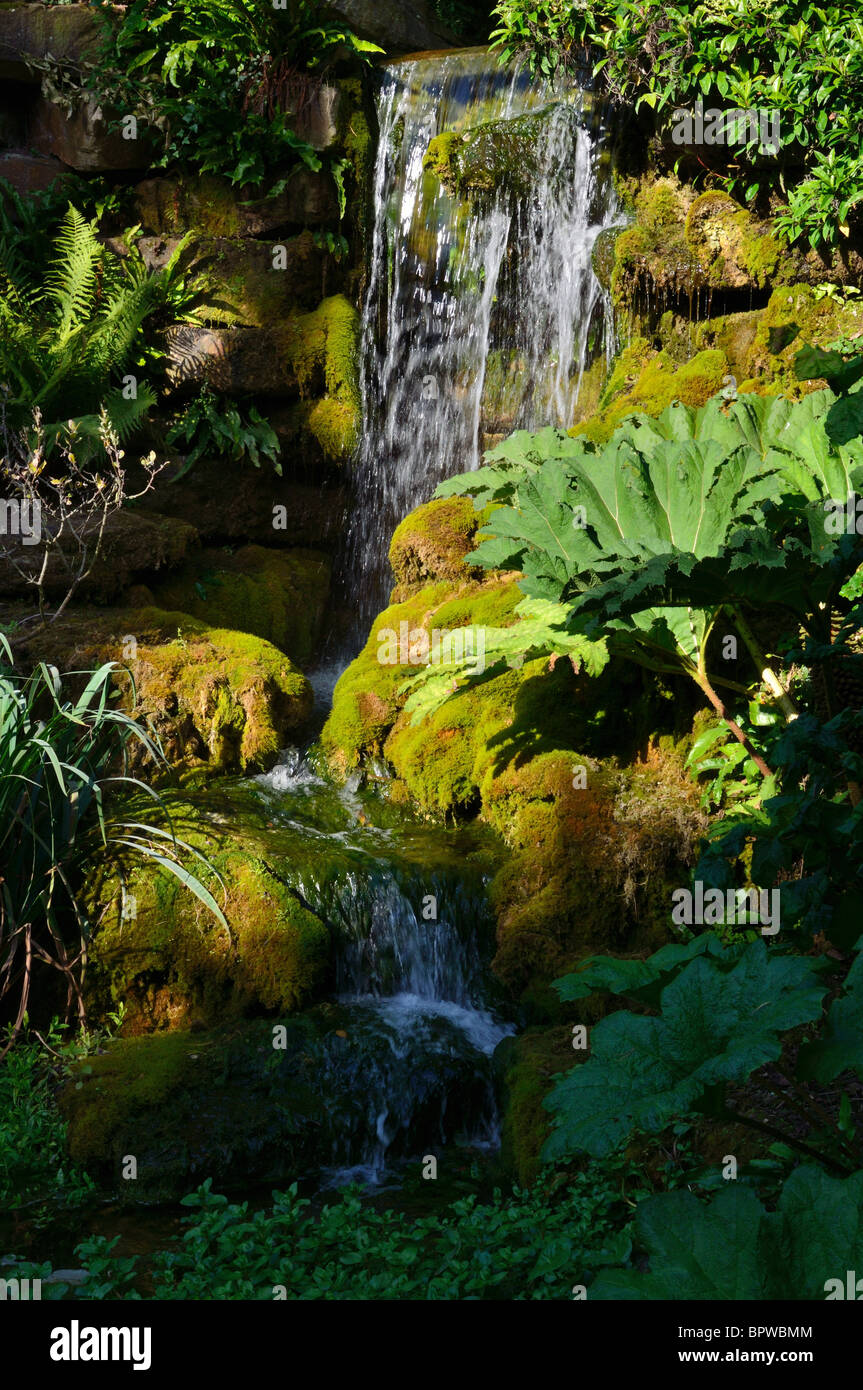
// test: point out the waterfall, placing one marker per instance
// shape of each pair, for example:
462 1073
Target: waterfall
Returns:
408 1069
480 316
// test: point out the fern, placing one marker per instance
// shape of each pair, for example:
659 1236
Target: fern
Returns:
65 341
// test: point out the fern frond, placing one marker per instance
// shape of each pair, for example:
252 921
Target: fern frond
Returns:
71 280
125 416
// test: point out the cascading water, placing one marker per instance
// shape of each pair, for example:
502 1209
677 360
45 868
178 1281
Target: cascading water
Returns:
409 1067
481 313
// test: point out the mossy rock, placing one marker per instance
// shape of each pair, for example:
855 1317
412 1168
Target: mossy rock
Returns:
189 1106
683 244
367 701
220 700
643 380
322 353
487 158
256 283
594 865
527 1064
432 542
279 595
172 962
733 249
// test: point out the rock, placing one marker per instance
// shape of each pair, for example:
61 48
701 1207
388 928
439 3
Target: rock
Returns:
233 502
485 159
221 701
29 173
171 206
235 361
134 546
246 282
68 33
190 1106
280 595
397 26
84 141
431 543
507 748
313 356
317 118
171 959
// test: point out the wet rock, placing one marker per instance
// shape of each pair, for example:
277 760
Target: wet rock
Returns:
68 33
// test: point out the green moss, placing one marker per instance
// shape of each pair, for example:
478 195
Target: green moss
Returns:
431 543
322 352
221 700
172 963
529 1062
441 158
643 380
279 595
496 154
366 700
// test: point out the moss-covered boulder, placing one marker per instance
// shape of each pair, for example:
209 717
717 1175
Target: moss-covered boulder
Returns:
496 155
159 950
601 820
367 702
190 1105
431 543
527 1063
221 701
279 595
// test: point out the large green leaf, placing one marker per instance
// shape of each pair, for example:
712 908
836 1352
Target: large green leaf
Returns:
840 1048
716 1026
731 1248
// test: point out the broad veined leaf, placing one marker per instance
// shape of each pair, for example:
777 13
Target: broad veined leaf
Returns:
840 1048
715 1026
732 1248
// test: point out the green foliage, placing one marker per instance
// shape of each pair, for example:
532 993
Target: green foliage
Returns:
649 538
793 57
68 332
733 1248
803 832
56 821
720 1020
33 1159
210 425
524 1246
222 80
842 368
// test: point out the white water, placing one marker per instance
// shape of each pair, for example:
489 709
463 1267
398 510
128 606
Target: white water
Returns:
411 1063
478 319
